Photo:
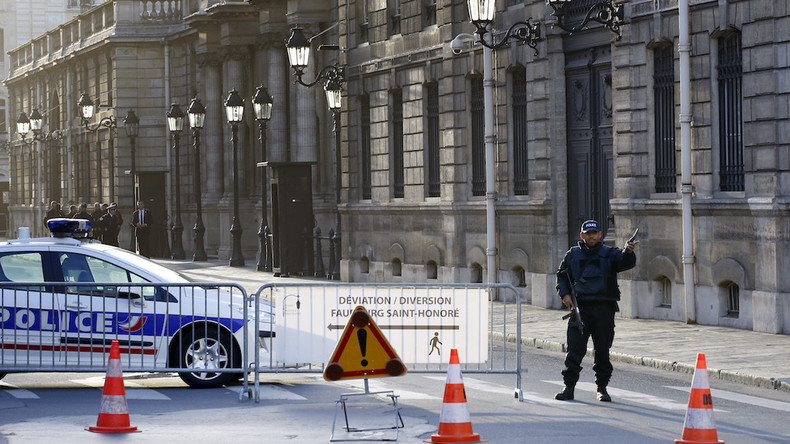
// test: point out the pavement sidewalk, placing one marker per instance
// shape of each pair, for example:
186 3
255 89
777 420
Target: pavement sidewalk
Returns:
741 356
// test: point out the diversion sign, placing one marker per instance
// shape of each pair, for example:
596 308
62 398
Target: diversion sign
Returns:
421 324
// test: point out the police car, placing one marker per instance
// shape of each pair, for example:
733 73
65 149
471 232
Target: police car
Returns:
66 298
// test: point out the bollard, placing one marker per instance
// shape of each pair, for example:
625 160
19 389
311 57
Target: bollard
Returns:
319 256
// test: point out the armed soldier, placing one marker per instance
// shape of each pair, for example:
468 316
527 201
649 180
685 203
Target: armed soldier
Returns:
590 271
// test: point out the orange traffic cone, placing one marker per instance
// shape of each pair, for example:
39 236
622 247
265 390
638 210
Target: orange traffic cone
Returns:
113 412
699 426
455 425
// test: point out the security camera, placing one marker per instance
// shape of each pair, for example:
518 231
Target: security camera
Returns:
457 45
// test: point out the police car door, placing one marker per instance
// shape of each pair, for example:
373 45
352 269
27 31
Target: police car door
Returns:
29 314
99 314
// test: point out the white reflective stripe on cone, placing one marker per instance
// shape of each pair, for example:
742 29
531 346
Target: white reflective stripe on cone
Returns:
113 405
700 379
454 374
114 368
699 419
455 412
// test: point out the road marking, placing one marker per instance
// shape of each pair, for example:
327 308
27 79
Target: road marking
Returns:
134 390
744 399
379 385
627 395
20 393
485 386
271 391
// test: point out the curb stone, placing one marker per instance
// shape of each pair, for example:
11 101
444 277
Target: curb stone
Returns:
660 364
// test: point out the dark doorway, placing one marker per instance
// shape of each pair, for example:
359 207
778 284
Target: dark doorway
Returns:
151 186
589 122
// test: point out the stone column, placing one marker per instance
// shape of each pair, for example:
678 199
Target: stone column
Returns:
305 142
234 66
212 139
279 84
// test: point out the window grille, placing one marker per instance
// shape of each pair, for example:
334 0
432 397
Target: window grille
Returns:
434 184
365 145
394 16
478 139
397 145
664 115
730 77
430 12
733 300
665 291
520 153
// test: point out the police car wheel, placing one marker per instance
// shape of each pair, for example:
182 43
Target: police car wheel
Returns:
206 349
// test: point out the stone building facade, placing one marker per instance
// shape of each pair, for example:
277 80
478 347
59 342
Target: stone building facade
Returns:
586 127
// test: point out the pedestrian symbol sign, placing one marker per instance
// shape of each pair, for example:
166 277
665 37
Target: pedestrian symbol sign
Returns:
363 352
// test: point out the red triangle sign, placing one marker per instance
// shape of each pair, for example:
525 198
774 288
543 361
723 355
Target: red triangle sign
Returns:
363 352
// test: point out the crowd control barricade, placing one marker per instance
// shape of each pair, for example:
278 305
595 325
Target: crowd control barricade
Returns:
422 322
209 328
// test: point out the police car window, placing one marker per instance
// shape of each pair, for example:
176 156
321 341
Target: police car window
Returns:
21 267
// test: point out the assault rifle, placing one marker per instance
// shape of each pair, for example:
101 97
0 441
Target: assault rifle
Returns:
576 318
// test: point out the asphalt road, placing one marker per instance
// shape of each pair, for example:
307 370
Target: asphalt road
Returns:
649 407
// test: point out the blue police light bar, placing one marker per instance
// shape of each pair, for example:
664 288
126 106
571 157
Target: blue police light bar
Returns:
62 227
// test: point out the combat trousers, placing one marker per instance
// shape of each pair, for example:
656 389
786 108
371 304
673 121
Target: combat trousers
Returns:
598 319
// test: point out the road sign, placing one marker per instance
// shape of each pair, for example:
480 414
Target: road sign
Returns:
363 352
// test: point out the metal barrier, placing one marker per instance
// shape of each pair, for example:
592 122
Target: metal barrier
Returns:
203 327
416 318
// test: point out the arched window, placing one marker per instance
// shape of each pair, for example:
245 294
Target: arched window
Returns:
476 274
364 265
431 270
396 267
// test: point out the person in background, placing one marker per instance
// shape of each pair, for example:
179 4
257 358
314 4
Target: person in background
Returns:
53 212
111 223
142 221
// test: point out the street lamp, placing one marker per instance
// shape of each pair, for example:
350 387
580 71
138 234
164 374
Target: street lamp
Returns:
262 105
197 116
234 108
581 13
175 121
87 109
131 126
333 90
35 122
298 48
481 14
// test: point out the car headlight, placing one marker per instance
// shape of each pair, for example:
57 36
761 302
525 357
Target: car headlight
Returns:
265 317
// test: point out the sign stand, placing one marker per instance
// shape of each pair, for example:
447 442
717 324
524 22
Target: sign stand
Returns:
345 397
364 352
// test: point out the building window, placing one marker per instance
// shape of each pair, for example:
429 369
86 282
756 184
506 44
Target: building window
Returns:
478 138
429 12
393 13
730 79
431 270
664 114
476 274
521 276
733 299
664 291
362 20
432 161
396 267
520 153
364 265
397 143
364 140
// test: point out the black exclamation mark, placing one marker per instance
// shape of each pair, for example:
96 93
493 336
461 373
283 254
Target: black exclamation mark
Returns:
362 335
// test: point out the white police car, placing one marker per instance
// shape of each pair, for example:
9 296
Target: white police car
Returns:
66 298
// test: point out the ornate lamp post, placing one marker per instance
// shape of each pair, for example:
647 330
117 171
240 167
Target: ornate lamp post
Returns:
262 105
573 16
333 90
481 14
197 116
175 121
87 109
131 126
298 48
234 109
35 123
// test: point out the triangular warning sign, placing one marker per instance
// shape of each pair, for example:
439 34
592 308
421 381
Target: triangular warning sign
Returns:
363 352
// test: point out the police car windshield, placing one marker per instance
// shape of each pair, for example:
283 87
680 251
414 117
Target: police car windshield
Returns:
165 273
